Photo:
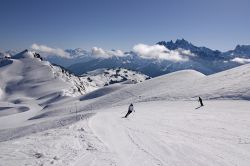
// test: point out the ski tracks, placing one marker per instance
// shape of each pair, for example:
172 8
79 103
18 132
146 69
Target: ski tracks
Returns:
123 141
140 147
96 153
176 137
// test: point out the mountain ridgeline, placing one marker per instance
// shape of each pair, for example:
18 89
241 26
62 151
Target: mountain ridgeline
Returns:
202 59
206 61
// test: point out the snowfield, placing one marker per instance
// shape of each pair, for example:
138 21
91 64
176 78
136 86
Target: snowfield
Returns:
158 133
175 133
40 125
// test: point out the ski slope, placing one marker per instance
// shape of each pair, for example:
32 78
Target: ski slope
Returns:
158 133
39 125
174 133
181 85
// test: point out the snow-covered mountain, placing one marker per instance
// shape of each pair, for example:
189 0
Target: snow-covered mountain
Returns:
26 76
45 120
205 60
27 71
88 128
203 52
76 55
180 85
241 51
51 116
105 77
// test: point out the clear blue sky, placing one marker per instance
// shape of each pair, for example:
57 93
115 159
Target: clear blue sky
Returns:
120 24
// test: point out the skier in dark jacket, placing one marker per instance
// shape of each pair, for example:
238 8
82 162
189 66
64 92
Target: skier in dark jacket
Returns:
200 100
130 110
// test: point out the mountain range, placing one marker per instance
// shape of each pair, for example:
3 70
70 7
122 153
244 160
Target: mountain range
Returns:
206 61
202 59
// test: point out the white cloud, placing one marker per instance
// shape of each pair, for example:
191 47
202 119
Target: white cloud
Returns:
47 51
4 54
186 52
99 52
161 52
143 50
241 60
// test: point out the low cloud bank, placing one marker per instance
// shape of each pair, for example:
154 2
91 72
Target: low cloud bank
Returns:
99 52
241 60
162 53
4 55
48 51
144 51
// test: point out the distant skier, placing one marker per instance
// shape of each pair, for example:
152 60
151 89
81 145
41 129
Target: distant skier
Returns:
130 110
200 100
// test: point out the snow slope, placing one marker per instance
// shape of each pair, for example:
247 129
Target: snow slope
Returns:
166 129
181 85
29 87
32 77
174 133
229 84
104 77
158 133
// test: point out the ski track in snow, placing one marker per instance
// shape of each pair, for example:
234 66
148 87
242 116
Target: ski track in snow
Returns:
177 134
158 133
66 145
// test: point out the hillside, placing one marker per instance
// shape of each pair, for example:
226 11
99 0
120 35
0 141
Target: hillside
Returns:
105 77
181 85
30 85
89 130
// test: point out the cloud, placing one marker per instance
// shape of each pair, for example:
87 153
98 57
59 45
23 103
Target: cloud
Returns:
99 52
161 52
241 60
48 51
4 54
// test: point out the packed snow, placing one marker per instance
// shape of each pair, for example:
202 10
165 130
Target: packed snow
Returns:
41 126
158 133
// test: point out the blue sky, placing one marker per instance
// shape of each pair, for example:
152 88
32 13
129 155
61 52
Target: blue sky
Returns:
120 24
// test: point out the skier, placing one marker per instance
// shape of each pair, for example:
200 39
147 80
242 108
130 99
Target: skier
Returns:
130 110
200 100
